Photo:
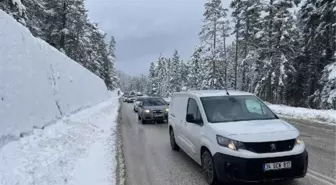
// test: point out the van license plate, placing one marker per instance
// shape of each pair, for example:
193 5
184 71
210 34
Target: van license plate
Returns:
278 166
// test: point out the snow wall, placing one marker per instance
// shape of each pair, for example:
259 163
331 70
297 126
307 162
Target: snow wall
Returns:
39 84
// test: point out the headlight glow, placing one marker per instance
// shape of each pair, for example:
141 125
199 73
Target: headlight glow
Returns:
167 110
147 111
229 143
298 141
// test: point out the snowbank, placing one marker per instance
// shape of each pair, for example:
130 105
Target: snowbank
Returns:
38 84
327 116
77 150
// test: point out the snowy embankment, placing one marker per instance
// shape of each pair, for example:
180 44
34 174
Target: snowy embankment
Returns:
325 116
39 84
77 150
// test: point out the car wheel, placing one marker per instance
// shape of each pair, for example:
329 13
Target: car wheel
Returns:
173 144
143 121
208 168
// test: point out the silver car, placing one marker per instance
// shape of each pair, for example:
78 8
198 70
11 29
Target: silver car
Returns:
136 103
152 109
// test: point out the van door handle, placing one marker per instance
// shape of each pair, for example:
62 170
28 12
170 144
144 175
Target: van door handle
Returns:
173 115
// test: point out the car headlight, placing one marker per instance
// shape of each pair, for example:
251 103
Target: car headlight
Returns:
167 109
298 141
147 111
229 143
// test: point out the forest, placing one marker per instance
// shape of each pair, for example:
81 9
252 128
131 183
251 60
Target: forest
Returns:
283 51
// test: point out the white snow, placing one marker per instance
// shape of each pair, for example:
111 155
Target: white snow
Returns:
78 150
327 116
19 5
39 84
332 71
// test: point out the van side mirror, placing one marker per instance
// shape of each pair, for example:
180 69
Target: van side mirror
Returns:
190 118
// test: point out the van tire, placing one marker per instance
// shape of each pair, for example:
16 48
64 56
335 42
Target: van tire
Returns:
208 168
173 144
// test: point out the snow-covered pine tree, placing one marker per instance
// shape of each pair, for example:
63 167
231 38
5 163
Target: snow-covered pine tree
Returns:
175 67
184 76
161 76
14 8
36 15
152 80
318 22
225 33
275 61
247 29
196 72
112 58
210 38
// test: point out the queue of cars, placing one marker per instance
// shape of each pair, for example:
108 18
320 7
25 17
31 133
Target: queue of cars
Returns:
232 135
149 109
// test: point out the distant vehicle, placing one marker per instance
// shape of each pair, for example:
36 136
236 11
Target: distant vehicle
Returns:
152 109
136 103
130 99
235 137
139 94
124 97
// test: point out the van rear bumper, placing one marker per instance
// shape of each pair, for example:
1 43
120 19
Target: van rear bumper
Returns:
230 168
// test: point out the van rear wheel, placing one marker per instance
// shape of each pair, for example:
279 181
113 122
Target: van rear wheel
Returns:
208 168
173 144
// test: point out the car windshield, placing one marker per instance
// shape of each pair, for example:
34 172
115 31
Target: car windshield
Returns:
235 108
154 102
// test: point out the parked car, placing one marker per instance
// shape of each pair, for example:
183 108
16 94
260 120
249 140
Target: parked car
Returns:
234 136
136 103
152 109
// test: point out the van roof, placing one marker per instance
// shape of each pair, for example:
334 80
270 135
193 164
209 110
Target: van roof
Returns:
208 93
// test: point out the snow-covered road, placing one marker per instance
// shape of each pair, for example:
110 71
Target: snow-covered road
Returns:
77 150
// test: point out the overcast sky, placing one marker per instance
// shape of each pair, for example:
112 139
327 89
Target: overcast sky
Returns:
145 28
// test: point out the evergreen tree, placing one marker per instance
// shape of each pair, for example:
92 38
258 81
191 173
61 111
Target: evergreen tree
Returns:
15 8
195 75
175 80
210 36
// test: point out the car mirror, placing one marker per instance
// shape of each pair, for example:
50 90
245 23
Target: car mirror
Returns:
190 118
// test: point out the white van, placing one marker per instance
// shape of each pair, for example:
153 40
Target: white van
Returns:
234 136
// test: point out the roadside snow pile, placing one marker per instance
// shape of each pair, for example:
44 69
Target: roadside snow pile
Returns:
39 84
77 150
328 116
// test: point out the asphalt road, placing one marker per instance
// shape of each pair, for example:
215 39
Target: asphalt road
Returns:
149 159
